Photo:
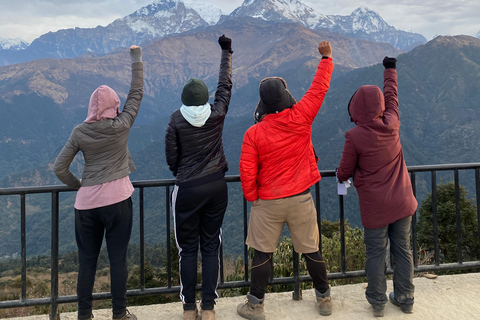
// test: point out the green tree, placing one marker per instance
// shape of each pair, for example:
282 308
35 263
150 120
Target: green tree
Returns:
447 232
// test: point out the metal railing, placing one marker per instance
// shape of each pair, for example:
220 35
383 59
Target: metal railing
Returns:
54 300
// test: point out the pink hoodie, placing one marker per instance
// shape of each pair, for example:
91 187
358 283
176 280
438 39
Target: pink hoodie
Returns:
104 104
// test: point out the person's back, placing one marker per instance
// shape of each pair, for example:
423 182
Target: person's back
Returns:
374 156
202 147
280 144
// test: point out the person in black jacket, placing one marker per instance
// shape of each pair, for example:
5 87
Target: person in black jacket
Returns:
194 151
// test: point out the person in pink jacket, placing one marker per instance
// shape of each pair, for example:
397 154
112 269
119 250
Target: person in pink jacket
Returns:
373 155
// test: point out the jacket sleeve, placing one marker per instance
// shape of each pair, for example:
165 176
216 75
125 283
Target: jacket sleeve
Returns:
62 165
349 160
311 102
134 98
224 87
171 146
390 93
249 168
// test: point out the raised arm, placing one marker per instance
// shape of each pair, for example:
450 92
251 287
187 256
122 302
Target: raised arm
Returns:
135 95
390 86
311 102
62 164
224 87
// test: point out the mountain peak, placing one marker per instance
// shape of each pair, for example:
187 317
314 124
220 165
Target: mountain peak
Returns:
167 8
279 10
12 44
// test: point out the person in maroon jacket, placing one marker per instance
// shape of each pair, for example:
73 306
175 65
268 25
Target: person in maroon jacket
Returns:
373 155
277 168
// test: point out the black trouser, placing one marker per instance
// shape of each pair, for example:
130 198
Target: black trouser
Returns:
262 268
115 221
198 212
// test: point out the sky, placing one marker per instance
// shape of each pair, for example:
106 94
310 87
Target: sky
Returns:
29 19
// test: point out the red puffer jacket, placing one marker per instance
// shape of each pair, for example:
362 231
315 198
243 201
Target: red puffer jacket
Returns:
277 158
374 156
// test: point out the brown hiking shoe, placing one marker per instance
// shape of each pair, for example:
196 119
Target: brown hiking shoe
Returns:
208 314
324 302
252 309
190 314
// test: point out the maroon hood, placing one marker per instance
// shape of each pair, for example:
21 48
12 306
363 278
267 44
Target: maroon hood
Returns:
366 105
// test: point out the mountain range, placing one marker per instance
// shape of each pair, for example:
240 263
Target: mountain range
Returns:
165 17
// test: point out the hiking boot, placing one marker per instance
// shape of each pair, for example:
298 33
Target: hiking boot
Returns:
324 302
190 314
128 316
208 314
252 309
378 310
406 308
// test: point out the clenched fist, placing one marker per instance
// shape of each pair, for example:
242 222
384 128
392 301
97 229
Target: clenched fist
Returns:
325 49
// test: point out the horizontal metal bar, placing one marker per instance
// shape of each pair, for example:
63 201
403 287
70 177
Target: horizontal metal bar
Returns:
233 178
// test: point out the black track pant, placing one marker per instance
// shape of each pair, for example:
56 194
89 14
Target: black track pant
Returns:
198 212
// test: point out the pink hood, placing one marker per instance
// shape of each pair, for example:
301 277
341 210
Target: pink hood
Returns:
104 104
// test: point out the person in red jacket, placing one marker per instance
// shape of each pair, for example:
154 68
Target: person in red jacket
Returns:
373 155
277 168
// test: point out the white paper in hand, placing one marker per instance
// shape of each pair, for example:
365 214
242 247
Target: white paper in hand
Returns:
342 187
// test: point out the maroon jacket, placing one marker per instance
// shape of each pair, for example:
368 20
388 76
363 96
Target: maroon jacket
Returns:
373 155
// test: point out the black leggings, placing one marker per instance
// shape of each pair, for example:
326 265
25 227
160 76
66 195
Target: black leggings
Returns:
262 268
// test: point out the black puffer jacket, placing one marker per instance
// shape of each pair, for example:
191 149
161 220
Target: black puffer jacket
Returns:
195 154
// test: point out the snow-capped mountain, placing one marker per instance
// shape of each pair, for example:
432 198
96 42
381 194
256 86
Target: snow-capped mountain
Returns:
165 17
367 24
478 35
281 10
158 19
12 44
362 23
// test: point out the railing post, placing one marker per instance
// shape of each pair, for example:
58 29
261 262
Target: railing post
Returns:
319 215
24 245
477 189
142 240
297 291
54 258
458 218
342 234
245 230
414 222
434 217
169 253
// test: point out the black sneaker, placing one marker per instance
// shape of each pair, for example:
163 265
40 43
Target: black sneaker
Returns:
406 308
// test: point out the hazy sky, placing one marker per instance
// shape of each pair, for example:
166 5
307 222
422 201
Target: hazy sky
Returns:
28 19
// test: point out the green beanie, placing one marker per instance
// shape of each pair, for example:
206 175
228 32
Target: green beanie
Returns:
195 93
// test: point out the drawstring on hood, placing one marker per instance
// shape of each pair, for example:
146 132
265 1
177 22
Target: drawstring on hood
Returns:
104 104
196 115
